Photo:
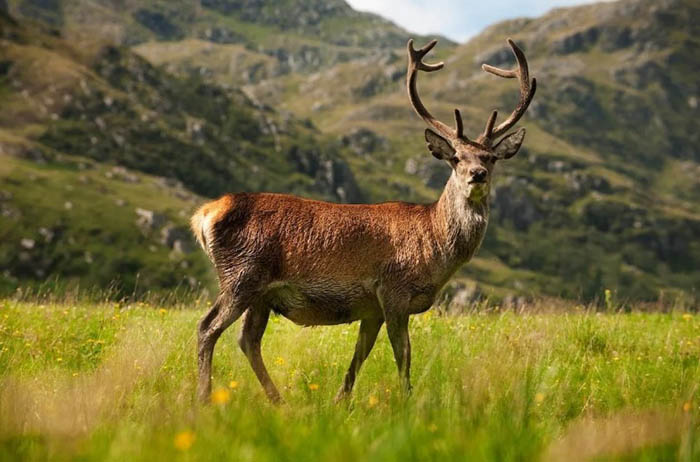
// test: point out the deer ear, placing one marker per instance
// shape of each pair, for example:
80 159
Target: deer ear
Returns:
509 146
439 147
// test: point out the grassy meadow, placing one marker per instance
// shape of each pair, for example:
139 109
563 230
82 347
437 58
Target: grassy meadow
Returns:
84 381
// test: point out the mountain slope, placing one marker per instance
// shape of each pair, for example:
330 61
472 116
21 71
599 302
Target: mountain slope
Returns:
103 108
604 195
254 39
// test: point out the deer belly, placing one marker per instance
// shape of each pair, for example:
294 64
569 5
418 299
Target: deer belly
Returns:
316 303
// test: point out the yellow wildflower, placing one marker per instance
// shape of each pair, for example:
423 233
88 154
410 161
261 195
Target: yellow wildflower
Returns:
373 401
184 440
233 384
539 397
279 361
686 406
162 311
58 360
220 396
313 386
687 316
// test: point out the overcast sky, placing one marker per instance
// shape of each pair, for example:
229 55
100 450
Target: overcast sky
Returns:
456 19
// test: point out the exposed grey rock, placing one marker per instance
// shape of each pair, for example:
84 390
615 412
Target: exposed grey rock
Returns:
460 296
148 220
411 166
182 246
558 166
121 173
47 234
218 34
464 298
363 141
331 175
9 212
177 238
584 182
165 182
433 174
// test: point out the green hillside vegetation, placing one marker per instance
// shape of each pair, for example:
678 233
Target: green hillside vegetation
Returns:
71 116
282 97
90 225
117 382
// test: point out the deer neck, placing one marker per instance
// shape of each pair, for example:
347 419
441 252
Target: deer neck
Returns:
460 222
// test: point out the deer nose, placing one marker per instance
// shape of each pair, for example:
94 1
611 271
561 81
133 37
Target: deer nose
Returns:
478 174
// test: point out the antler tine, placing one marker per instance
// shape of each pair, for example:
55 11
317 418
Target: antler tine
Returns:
415 64
488 130
527 88
416 57
459 132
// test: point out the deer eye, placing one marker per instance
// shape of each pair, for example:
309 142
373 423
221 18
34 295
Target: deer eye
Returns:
455 160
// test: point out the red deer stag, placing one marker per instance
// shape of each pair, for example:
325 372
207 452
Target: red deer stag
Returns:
319 263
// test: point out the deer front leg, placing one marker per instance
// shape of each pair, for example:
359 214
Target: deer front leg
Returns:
397 329
250 339
369 328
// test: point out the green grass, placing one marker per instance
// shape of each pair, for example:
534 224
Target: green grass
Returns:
94 224
117 382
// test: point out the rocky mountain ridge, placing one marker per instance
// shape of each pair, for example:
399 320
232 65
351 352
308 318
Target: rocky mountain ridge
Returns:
604 195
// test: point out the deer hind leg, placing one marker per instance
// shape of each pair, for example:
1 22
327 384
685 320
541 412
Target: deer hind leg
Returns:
225 311
369 328
254 325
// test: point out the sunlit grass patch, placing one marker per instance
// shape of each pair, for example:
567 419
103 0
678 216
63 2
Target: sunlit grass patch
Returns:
496 386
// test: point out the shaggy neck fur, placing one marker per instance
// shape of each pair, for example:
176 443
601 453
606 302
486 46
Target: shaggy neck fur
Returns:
461 222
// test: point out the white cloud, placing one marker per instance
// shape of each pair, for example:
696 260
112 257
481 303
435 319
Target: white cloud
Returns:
456 19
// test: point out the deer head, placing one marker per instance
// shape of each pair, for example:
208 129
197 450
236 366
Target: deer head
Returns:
471 160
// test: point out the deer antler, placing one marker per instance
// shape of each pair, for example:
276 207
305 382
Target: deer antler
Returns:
415 64
527 91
